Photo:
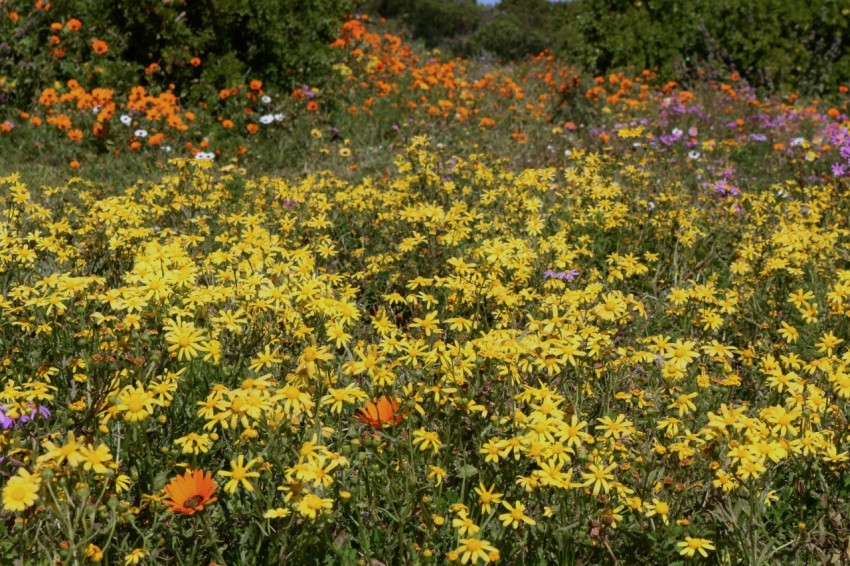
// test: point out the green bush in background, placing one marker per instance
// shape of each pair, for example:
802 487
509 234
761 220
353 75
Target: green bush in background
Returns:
281 42
776 45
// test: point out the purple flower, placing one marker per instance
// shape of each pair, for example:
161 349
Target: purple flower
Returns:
562 275
839 169
5 422
308 91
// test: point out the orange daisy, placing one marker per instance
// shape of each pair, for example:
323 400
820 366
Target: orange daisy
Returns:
190 492
380 413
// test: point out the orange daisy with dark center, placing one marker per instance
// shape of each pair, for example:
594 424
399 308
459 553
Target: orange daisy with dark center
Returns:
190 492
380 413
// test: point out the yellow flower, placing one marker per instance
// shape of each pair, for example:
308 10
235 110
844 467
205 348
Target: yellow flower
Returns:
474 549
691 546
425 439
21 491
487 497
515 515
135 556
94 553
194 443
311 505
95 459
658 507
465 526
598 476
122 483
239 473
136 402
69 452
184 338
436 473
277 513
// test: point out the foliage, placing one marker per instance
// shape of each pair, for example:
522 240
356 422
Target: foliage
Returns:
776 45
198 46
432 310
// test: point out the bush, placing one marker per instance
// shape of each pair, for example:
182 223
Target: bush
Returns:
775 45
215 43
506 37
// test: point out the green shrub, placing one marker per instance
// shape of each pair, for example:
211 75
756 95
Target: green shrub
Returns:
214 43
506 37
775 45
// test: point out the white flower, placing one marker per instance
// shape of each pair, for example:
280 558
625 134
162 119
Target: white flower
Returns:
267 119
676 132
166 148
97 109
140 133
204 155
693 154
797 141
266 99
278 117
126 120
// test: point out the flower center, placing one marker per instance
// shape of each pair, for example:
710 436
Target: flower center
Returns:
193 501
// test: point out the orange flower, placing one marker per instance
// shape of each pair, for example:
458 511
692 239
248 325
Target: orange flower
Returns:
74 24
252 128
190 492
227 123
195 61
256 84
100 47
380 413
312 106
74 164
75 135
48 96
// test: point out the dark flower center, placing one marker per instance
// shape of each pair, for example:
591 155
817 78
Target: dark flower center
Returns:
193 501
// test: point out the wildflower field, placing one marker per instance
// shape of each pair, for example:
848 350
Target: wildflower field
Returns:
432 311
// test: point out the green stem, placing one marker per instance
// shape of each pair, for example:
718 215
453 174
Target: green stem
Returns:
212 538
